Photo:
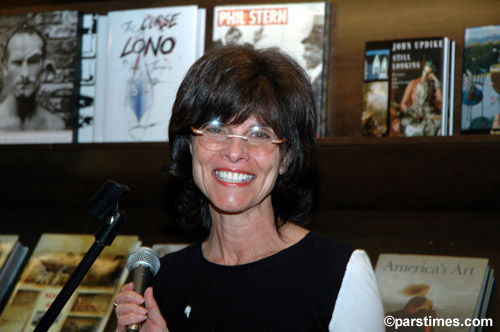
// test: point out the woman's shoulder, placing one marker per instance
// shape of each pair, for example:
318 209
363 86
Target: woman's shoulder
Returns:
188 252
325 243
318 249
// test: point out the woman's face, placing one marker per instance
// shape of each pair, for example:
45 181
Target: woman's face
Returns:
233 180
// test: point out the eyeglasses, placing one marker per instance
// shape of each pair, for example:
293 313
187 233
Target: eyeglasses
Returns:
259 141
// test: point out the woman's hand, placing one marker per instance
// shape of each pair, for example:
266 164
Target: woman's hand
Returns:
129 310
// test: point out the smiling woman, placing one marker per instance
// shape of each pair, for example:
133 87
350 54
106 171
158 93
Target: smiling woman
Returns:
242 136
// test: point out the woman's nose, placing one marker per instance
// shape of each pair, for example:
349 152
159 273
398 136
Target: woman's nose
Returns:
235 149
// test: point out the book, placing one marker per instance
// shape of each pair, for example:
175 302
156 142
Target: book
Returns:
481 79
39 105
88 60
397 100
299 29
12 256
100 84
52 262
162 249
149 52
487 296
431 286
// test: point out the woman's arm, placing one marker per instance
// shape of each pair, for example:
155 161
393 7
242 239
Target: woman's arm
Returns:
358 307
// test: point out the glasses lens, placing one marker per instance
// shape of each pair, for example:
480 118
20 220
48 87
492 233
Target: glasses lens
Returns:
258 140
214 135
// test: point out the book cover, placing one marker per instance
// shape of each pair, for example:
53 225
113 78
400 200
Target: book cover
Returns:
406 87
39 77
149 52
52 262
299 29
419 286
481 79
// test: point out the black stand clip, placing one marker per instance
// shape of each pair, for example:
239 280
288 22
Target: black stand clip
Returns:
103 205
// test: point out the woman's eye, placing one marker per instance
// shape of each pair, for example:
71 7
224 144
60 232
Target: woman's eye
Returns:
262 135
214 131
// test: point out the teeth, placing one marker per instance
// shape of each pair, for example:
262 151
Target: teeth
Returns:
233 177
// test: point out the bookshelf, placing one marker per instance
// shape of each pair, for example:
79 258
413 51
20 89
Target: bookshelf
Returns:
432 195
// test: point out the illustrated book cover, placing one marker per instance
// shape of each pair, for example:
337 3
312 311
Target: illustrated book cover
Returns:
427 286
299 29
39 77
148 53
481 80
407 88
51 264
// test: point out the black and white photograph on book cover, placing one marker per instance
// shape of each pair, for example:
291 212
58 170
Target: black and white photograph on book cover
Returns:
481 80
39 71
299 29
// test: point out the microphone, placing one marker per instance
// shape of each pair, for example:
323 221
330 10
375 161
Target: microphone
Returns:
143 263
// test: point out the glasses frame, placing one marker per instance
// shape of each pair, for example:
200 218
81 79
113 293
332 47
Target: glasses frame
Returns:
200 132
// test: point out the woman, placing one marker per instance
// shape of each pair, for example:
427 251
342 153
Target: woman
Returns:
242 136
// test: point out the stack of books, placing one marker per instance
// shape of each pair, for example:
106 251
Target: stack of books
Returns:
51 264
12 256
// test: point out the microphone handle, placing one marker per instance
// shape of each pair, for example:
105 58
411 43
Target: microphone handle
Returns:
141 276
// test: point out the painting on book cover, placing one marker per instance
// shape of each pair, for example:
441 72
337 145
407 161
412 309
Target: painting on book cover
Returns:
149 52
481 80
299 29
39 72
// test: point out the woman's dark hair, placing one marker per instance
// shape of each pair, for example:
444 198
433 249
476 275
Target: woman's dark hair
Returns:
231 84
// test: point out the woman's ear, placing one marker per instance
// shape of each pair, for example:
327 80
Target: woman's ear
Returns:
285 162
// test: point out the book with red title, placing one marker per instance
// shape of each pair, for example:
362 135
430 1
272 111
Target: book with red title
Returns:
299 29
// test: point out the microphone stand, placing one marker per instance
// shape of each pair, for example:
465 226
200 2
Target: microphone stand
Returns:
101 205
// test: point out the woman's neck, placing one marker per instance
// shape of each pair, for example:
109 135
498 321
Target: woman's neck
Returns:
242 239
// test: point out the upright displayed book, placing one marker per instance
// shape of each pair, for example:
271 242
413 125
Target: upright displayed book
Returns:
300 29
52 262
88 76
100 83
12 255
481 80
148 53
407 87
434 287
40 77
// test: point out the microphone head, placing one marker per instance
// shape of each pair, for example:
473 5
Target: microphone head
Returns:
144 256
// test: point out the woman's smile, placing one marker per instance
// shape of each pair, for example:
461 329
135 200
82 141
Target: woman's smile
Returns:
233 177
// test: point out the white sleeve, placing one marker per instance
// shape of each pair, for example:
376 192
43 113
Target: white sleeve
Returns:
358 307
